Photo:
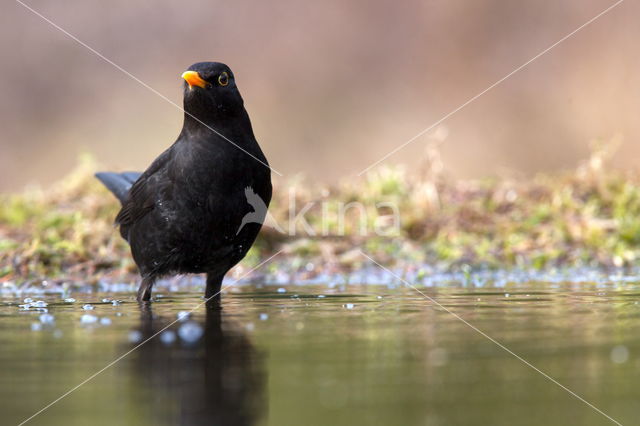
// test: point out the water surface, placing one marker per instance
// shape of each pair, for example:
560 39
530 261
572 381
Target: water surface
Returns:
314 355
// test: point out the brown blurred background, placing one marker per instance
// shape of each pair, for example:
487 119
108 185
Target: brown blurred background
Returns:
331 86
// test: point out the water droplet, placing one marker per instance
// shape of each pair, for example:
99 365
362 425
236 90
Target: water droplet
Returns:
47 319
184 315
190 332
168 337
437 357
88 319
620 354
134 336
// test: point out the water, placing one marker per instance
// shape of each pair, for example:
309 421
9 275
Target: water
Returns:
314 355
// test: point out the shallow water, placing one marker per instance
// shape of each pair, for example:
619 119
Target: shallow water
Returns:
313 355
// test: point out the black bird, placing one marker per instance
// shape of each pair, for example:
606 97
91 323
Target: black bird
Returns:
185 213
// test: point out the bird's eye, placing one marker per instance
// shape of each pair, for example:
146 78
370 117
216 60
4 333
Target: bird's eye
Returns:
223 79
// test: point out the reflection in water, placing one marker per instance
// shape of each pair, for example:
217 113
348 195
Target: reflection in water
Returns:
213 379
375 357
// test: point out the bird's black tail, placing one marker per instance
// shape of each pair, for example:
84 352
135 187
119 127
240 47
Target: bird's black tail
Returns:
118 183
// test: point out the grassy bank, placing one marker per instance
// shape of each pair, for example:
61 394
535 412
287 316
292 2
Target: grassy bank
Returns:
585 217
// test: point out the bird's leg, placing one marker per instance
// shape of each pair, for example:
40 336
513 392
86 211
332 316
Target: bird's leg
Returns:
214 283
144 291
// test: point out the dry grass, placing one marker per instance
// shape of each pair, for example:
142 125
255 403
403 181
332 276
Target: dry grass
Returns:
586 217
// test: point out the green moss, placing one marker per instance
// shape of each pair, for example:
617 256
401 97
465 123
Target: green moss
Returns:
590 216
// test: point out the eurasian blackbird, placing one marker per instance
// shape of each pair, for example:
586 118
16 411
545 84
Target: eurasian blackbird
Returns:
185 213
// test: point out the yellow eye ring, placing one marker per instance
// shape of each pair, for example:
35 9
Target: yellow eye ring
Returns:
223 79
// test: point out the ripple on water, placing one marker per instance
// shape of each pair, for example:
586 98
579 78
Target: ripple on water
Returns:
400 348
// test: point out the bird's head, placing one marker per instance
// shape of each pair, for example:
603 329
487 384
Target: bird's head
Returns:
210 92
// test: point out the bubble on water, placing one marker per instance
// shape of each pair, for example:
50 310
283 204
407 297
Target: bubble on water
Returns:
36 326
88 319
506 295
118 314
47 319
379 297
39 304
184 315
264 317
105 321
250 326
106 300
282 290
116 302
168 337
619 354
28 300
349 305
70 300
88 307
135 336
321 296
190 332
25 307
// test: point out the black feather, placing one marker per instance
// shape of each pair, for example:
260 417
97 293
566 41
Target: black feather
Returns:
119 183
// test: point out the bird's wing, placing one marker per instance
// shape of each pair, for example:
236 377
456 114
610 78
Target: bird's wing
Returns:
141 197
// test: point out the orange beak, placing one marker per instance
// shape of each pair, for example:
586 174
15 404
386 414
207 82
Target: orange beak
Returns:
193 79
